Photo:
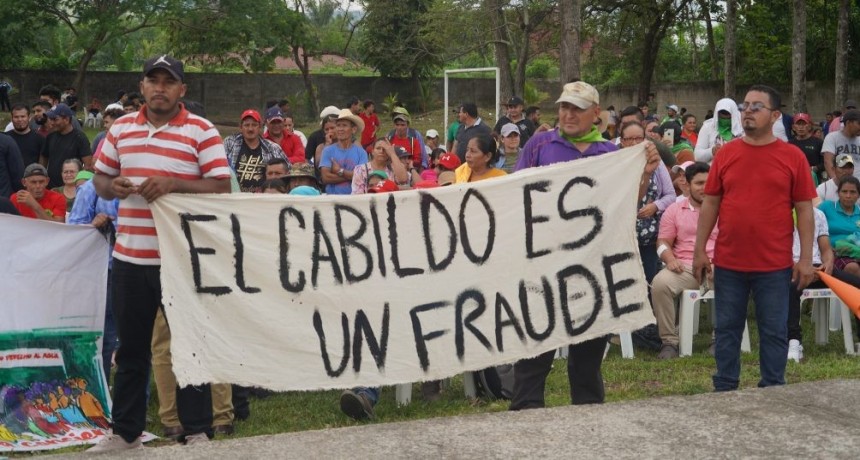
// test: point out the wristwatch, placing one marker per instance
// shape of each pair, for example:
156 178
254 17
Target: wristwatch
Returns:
340 172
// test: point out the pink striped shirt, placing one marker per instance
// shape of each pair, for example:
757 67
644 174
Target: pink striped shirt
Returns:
187 147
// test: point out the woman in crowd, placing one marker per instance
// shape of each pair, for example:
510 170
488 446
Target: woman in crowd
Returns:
327 127
659 194
688 121
481 156
71 168
510 147
382 158
843 221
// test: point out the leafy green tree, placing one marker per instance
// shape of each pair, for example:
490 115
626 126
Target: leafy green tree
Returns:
393 41
97 23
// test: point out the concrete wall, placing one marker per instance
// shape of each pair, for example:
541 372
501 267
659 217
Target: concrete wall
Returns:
226 95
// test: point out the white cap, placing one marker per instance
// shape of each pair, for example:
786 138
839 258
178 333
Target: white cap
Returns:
432 133
509 128
329 111
672 107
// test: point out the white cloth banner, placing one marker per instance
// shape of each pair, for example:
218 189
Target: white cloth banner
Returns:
299 293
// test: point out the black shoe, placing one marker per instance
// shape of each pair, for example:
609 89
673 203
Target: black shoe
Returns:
356 405
173 432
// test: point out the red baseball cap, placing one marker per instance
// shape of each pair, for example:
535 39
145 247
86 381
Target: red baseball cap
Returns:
384 186
253 114
802 116
424 184
449 161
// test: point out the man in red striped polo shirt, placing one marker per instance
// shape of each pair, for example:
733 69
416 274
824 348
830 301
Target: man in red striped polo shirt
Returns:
161 149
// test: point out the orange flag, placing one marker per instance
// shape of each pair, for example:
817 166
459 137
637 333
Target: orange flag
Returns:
847 293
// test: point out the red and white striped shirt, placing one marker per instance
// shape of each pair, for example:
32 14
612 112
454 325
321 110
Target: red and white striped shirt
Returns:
187 147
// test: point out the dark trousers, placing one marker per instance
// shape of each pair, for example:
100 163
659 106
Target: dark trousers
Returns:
136 299
794 331
4 103
583 372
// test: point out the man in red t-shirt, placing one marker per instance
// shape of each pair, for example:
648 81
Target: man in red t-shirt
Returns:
36 201
754 183
371 125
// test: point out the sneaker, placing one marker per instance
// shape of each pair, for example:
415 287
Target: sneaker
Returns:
356 405
795 350
115 443
668 352
198 438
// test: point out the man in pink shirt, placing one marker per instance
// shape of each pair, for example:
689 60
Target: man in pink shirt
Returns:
675 244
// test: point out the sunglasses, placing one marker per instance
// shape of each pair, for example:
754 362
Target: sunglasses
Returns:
753 106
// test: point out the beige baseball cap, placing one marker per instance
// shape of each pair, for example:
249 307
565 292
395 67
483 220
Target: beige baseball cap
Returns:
580 94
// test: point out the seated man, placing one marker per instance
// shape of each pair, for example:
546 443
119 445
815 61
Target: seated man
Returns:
36 201
675 244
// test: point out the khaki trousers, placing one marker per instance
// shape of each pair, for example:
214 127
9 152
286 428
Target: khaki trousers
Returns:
665 289
165 382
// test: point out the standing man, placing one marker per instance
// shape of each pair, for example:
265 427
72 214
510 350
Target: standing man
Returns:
277 132
5 88
371 125
40 118
806 142
753 250
248 153
138 174
340 158
29 143
515 115
576 137
845 140
63 144
471 125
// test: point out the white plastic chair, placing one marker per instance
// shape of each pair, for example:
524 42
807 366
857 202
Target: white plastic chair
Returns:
688 321
827 318
403 392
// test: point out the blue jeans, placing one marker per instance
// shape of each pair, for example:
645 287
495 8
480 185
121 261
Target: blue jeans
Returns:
770 291
372 394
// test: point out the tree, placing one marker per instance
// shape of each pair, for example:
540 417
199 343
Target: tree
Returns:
96 23
570 12
798 56
841 53
729 86
712 46
500 45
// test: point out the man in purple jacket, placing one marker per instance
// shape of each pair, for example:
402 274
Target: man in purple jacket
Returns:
575 137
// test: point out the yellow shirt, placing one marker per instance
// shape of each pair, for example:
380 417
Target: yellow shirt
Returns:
464 174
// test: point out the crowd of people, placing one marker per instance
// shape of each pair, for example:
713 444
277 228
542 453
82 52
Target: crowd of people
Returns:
730 205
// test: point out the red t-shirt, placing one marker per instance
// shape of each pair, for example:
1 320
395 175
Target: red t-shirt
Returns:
52 202
292 147
371 124
759 186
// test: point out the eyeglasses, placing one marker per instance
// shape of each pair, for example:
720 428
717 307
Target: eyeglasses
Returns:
753 106
633 139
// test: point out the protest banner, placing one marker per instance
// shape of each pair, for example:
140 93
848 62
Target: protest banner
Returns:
53 391
304 293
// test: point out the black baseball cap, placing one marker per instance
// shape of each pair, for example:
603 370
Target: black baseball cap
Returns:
516 100
171 65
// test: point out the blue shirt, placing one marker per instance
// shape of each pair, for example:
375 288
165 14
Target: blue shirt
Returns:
348 159
88 205
841 224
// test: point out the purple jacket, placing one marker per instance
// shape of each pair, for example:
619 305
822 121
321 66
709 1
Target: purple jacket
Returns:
549 148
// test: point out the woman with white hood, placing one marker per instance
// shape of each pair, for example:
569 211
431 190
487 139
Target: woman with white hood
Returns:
723 127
